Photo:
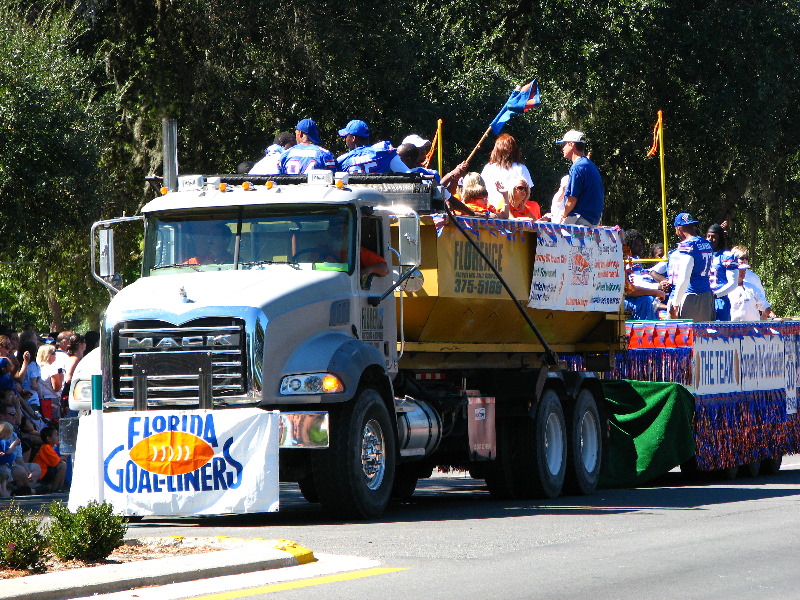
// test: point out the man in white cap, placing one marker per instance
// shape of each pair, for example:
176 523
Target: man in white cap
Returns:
423 146
584 196
307 154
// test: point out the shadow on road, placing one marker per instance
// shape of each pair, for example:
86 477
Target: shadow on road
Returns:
460 498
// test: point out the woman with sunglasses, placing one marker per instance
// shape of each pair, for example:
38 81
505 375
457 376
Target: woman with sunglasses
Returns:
517 203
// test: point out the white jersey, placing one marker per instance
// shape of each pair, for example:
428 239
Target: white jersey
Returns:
744 305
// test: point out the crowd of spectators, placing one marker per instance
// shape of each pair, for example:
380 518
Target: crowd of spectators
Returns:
35 377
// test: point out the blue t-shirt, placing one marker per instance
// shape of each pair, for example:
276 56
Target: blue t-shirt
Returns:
302 158
8 457
702 252
586 185
724 268
366 159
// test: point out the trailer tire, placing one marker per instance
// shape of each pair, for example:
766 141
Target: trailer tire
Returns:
770 466
540 450
584 445
354 476
751 469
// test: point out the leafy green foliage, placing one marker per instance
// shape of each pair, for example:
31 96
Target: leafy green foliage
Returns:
23 543
91 533
82 95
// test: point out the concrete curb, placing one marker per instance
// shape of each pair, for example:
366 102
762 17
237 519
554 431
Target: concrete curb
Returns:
249 556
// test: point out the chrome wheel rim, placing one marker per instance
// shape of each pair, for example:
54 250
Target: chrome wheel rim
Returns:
373 454
554 444
589 442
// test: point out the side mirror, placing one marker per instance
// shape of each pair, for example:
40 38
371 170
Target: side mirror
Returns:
106 248
408 240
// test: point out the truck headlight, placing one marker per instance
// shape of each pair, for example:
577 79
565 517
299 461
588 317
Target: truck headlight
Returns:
311 383
81 394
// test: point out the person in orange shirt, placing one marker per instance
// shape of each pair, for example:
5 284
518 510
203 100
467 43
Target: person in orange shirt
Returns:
475 197
54 466
517 203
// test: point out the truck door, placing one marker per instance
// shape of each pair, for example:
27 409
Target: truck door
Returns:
376 324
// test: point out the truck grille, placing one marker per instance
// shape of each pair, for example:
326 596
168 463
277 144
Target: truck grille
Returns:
224 338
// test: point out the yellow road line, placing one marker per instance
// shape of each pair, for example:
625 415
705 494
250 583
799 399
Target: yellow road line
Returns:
300 583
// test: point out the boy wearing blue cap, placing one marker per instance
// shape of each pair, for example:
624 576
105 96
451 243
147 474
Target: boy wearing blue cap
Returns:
307 154
689 268
362 158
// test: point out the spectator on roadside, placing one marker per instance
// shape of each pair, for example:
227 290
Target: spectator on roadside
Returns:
92 339
505 165
753 281
7 351
50 383
584 196
7 447
689 265
25 475
75 352
307 154
724 272
52 464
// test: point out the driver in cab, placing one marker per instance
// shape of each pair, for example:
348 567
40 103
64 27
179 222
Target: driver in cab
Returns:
332 246
212 242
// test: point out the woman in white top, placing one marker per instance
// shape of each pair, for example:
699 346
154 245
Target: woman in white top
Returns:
50 381
505 165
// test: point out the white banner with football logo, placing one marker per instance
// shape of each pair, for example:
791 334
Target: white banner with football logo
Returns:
173 463
577 268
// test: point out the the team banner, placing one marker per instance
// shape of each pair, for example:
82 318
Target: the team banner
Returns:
192 462
577 268
745 357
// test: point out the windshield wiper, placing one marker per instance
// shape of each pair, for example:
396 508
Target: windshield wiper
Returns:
175 265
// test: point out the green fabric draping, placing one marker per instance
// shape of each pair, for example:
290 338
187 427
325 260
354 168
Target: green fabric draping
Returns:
650 430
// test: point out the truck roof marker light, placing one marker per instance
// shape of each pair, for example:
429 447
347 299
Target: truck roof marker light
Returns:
164 190
223 187
339 184
270 185
246 185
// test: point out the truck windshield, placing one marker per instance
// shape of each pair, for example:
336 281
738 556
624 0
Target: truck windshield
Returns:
315 236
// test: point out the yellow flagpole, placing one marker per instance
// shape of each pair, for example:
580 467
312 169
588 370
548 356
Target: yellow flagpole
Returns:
663 178
439 149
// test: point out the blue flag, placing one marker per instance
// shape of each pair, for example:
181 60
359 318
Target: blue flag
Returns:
521 100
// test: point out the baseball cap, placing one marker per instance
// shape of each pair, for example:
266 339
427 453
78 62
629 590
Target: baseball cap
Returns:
418 141
274 149
573 135
684 219
356 128
308 127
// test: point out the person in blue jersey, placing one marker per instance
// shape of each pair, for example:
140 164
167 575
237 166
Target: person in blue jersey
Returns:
689 268
584 196
307 154
363 158
724 276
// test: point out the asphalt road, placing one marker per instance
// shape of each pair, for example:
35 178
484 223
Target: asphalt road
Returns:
674 539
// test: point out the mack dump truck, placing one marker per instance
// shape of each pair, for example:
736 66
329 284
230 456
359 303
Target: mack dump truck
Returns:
253 294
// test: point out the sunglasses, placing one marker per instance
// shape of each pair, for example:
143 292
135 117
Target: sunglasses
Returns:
522 187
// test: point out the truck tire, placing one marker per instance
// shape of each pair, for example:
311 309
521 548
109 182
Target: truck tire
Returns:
584 445
499 472
354 476
540 450
309 489
405 482
770 466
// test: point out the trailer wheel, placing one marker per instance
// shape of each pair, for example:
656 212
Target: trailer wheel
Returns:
751 469
584 445
770 466
354 476
540 451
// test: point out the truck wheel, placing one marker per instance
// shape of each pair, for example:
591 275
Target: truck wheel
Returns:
308 489
770 466
405 482
540 451
354 476
584 445
499 472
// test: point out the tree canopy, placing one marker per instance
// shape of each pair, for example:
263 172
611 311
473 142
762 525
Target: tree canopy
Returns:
84 86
